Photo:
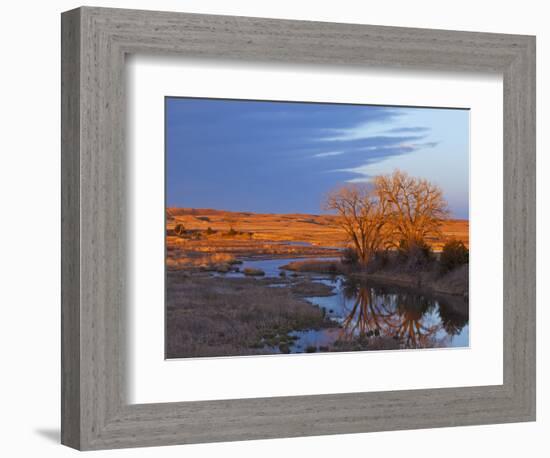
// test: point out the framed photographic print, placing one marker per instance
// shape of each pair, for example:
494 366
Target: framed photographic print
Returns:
336 220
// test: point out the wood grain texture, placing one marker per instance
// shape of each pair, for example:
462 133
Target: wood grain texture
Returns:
70 229
96 413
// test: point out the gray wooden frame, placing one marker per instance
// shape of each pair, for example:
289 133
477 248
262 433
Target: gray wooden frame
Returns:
95 413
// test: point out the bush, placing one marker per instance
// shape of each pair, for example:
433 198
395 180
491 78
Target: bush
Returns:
253 272
415 254
454 254
232 232
210 231
350 256
420 255
378 261
179 229
402 250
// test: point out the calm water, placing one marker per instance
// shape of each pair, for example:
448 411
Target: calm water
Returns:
414 319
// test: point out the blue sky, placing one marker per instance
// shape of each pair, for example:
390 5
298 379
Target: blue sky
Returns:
284 157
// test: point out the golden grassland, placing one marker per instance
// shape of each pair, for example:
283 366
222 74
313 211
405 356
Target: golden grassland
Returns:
215 237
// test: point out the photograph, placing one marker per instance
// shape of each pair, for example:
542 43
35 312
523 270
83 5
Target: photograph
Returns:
314 227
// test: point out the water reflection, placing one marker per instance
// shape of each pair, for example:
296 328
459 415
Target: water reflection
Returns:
412 319
369 316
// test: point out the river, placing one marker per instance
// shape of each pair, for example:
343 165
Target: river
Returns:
362 309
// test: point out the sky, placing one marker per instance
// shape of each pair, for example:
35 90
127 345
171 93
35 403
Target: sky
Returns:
284 157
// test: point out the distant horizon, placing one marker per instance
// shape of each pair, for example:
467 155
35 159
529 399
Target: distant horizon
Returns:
284 157
272 213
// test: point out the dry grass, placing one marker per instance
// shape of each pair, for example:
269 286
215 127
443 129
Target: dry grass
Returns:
213 316
177 259
308 288
253 272
316 265
455 282
363 343
189 254
316 229
319 230
209 242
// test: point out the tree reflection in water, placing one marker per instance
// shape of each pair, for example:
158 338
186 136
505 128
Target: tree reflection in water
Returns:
413 319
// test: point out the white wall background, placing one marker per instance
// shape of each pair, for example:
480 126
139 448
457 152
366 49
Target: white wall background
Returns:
30 246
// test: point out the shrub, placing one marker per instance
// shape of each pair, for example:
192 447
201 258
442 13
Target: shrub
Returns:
454 254
379 261
402 251
419 255
210 231
415 254
232 232
179 229
195 235
253 272
350 256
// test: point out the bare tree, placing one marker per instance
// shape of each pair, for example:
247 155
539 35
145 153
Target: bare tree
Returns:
415 207
392 209
362 215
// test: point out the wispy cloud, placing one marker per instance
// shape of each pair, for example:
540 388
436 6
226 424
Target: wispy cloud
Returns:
357 132
329 153
377 127
407 130
425 145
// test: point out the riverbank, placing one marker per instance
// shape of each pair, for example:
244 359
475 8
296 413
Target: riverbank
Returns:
218 316
230 314
455 282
